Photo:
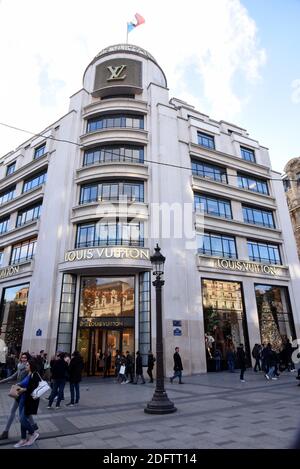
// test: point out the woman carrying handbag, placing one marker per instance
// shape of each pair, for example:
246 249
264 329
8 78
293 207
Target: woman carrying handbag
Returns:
27 405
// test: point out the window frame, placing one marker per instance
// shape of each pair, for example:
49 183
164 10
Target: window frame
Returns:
9 166
209 171
109 234
39 151
42 175
207 239
26 210
202 136
98 190
264 212
248 151
219 201
4 221
10 192
102 122
241 177
31 246
113 153
259 245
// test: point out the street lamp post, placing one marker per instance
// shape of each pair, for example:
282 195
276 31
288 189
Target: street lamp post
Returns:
160 403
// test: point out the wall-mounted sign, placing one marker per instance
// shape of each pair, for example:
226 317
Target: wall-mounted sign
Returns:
38 333
115 75
107 253
245 266
177 331
108 323
9 271
176 323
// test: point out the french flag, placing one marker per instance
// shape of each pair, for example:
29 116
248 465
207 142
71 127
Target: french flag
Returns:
139 20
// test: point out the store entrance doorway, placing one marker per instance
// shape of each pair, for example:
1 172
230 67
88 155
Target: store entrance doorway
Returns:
98 348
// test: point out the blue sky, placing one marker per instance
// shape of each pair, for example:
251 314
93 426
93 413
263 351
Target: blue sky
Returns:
270 115
234 60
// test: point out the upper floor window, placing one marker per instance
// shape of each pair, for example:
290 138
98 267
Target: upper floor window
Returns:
206 140
29 214
115 120
7 195
298 179
23 251
210 171
35 181
264 252
11 168
214 244
1 257
253 184
248 154
4 225
110 234
114 190
212 205
39 151
118 96
258 216
286 184
114 153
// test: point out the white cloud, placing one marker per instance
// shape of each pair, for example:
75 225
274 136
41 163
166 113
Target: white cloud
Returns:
46 46
296 91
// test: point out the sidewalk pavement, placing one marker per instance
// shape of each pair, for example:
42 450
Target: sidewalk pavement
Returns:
214 410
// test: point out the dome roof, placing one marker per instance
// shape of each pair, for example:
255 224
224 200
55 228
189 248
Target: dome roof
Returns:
128 48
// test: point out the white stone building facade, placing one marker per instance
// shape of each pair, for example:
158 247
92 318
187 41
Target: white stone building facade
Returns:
79 211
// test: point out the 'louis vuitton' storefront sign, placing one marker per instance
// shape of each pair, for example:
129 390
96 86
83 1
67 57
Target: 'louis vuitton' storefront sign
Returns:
107 253
9 271
245 266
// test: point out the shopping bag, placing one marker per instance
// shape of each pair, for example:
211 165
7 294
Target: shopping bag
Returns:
122 370
42 388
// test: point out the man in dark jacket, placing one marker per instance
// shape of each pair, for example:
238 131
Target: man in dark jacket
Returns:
59 372
139 368
151 361
241 358
177 366
129 368
75 371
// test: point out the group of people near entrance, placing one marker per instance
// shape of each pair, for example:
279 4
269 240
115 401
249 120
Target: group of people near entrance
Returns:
30 371
124 367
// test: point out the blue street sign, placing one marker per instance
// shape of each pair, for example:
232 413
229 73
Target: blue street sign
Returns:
176 323
177 331
38 332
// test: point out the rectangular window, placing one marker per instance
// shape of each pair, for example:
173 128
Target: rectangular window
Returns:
1 257
130 191
29 214
66 313
264 252
253 184
11 168
298 179
217 245
248 154
114 153
39 151
22 252
205 170
35 181
206 140
7 195
4 225
110 234
12 316
258 216
212 205
275 315
286 184
117 120
144 315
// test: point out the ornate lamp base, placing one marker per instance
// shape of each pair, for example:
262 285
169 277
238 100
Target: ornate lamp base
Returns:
160 404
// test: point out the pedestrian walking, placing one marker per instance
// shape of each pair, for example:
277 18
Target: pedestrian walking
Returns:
218 358
139 368
178 368
27 405
129 367
241 358
75 374
151 361
271 361
256 354
59 372
20 374
106 364
230 359
40 361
